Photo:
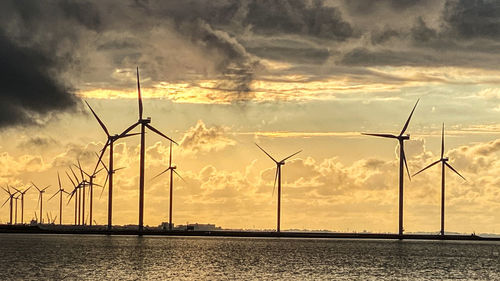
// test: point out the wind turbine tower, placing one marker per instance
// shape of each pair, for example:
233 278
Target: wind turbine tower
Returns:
402 161
278 178
444 163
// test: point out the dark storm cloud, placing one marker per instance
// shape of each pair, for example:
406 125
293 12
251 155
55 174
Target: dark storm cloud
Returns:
473 18
36 47
61 45
28 85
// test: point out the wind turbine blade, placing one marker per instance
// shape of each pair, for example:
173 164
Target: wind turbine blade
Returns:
76 178
72 182
170 157
408 121
35 186
54 194
98 120
46 187
17 190
160 173
442 143
427 167
118 169
139 94
39 199
99 160
453 169
59 180
105 181
160 133
266 153
80 167
71 195
129 135
292 155
102 190
128 129
96 172
275 178
180 176
5 190
381 135
5 202
406 165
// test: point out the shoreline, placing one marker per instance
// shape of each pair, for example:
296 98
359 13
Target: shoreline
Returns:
35 229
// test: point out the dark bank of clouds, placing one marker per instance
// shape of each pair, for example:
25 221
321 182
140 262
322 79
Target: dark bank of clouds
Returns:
50 48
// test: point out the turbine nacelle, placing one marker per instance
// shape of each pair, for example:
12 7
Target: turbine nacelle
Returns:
445 159
145 121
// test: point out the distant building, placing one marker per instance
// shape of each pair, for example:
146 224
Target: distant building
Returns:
197 227
165 226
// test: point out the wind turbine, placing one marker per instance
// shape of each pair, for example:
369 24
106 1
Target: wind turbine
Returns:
40 199
22 201
145 123
402 159
444 163
60 192
278 177
109 143
90 183
11 197
172 170
76 188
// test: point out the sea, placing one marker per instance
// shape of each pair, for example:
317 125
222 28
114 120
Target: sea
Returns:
94 257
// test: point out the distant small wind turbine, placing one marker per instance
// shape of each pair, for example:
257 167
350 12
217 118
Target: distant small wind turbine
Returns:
76 187
22 201
172 170
40 199
11 198
60 192
90 183
278 178
444 162
402 160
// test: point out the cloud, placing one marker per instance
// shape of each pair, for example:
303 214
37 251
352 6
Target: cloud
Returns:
202 139
38 142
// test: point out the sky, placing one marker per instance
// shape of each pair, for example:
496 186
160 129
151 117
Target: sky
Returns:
219 76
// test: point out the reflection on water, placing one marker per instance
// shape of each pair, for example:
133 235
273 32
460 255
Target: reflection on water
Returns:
70 257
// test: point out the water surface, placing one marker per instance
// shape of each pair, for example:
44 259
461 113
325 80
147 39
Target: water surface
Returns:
78 257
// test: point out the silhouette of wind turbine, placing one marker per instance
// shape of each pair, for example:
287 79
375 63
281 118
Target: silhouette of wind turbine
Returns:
22 201
60 192
172 170
40 199
278 178
11 198
75 191
78 192
444 163
109 143
144 123
402 159
91 184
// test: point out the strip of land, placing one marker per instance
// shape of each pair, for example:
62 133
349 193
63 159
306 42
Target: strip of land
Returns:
36 229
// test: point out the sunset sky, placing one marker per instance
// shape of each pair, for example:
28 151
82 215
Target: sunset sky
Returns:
218 76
